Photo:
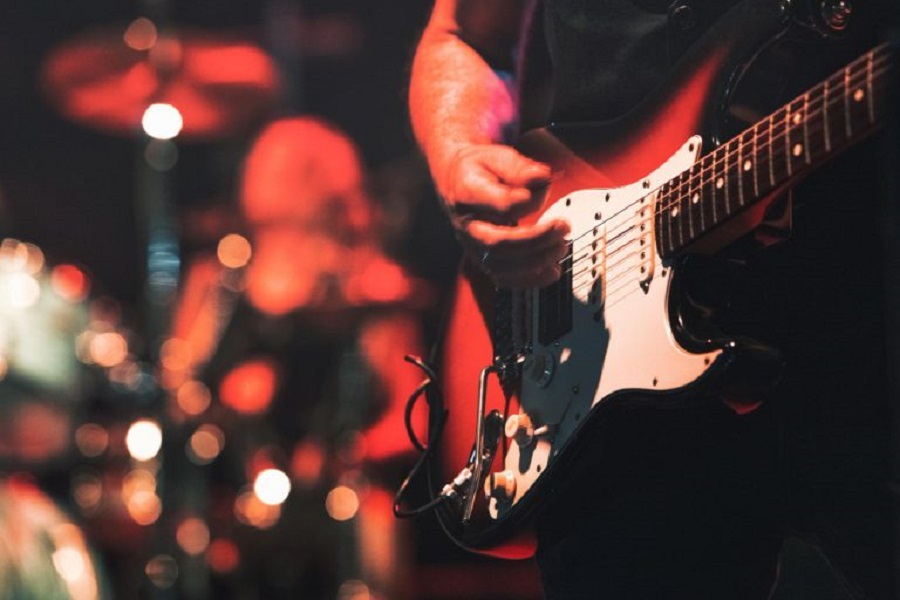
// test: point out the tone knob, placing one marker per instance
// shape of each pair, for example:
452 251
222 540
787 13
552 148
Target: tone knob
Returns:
520 428
502 486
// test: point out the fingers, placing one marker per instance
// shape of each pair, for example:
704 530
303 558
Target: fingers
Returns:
518 257
495 183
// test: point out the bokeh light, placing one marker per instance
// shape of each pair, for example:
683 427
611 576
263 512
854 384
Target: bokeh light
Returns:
144 507
234 251
193 397
272 486
108 349
144 439
250 510
162 571
162 121
70 283
342 503
193 536
205 444
92 440
249 387
141 34
223 555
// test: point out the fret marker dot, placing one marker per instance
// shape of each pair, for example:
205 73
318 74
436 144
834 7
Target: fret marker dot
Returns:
798 149
748 164
720 183
797 119
695 198
858 95
674 212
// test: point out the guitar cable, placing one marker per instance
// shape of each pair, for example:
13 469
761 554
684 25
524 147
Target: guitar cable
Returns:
437 417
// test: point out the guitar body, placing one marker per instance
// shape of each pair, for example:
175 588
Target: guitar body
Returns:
618 329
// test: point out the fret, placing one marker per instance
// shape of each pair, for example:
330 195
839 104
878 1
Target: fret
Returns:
755 164
769 143
787 139
687 208
847 124
717 183
817 125
707 192
724 180
739 171
806 118
825 120
871 98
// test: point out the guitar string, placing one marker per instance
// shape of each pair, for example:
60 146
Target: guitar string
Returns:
782 136
788 129
711 166
706 169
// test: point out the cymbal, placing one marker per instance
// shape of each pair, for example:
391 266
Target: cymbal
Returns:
219 83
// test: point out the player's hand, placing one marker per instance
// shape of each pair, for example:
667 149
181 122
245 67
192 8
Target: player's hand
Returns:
486 189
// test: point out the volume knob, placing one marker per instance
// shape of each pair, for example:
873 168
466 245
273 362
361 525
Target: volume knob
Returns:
520 428
502 486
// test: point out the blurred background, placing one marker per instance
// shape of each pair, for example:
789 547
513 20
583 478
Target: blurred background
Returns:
180 420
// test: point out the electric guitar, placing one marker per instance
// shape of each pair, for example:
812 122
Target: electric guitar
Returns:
528 375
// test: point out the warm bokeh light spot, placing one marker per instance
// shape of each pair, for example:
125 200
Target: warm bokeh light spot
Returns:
87 491
162 121
223 556
205 444
162 571
4 367
193 398
175 354
70 283
144 439
108 349
141 34
272 486
21 290
354 590
342 503
249 387
144 507
70 563
193 536
91 439
250 510
234 251
138 480
307 461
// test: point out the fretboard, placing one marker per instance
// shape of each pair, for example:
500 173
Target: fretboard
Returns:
774 153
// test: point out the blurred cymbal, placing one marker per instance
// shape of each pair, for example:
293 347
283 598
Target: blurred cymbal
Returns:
220 84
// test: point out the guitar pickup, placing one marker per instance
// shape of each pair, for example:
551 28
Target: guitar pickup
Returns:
555 305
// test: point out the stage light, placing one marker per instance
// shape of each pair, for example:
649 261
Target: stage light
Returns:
162 121
69 283
272 487
144 439
250 510
144 507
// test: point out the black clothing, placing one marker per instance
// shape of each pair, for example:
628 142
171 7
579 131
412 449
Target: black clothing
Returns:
694 504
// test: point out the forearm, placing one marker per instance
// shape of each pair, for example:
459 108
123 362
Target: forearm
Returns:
456 98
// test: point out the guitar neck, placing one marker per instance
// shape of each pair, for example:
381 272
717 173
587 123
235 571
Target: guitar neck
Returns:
774 153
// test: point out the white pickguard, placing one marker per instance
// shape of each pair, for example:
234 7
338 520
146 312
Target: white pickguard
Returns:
620 336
